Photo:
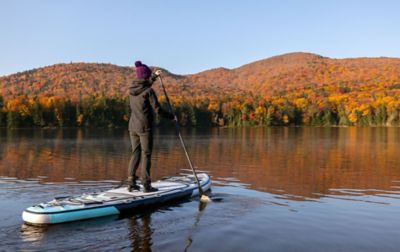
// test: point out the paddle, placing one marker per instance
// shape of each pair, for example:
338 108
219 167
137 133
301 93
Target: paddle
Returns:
203 198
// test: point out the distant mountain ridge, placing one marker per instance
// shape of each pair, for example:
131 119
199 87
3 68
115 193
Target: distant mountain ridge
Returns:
296 70
292 71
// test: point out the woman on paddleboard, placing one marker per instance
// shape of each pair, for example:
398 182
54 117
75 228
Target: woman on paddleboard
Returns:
143 103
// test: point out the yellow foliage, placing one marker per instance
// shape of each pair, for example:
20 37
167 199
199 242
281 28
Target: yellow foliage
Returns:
350 106
278 101
352 117
13 105
337 98
301 103
285 119
364 109
387 100
260 110
213 106
24 110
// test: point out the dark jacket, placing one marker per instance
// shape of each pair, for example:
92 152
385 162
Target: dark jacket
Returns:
143 102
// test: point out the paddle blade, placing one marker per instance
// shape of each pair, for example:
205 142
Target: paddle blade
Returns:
205 199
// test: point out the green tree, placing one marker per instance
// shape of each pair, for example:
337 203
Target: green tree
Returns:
37 113
13 119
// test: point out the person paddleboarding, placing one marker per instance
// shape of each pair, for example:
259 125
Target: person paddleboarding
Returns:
143 103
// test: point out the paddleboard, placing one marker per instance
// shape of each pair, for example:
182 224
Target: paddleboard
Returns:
113 202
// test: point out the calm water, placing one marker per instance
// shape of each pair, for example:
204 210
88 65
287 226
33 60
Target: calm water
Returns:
275 189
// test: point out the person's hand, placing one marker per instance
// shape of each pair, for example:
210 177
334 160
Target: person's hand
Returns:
158 72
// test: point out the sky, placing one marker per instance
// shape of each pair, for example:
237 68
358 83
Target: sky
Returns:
188 36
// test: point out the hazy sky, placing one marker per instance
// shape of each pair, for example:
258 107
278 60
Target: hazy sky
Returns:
190 36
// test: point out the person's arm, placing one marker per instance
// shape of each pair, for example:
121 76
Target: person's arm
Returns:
153 77
157 107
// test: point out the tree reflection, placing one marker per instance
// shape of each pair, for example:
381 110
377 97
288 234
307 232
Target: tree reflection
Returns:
298 161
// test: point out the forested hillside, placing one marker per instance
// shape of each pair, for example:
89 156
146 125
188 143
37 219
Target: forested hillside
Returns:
290 89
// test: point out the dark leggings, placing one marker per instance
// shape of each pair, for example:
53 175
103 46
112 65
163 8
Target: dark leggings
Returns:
142 146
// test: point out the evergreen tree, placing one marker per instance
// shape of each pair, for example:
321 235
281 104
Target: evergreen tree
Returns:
37 113
12 119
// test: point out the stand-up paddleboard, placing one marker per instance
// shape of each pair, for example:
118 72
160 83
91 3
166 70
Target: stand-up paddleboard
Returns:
112 202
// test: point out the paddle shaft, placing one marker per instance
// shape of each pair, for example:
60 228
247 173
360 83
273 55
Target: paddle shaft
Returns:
178 132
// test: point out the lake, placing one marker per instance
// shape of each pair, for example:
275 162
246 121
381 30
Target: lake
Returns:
274 189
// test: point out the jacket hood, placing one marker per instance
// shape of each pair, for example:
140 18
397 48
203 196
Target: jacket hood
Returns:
138 86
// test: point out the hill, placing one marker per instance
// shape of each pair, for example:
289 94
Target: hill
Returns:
77 80
294 88
284 72
299 70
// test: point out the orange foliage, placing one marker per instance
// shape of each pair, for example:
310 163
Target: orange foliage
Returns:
282 88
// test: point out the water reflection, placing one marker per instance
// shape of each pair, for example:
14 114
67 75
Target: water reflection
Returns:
297 163
35 237
31 233
280 189
202 207
140 232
